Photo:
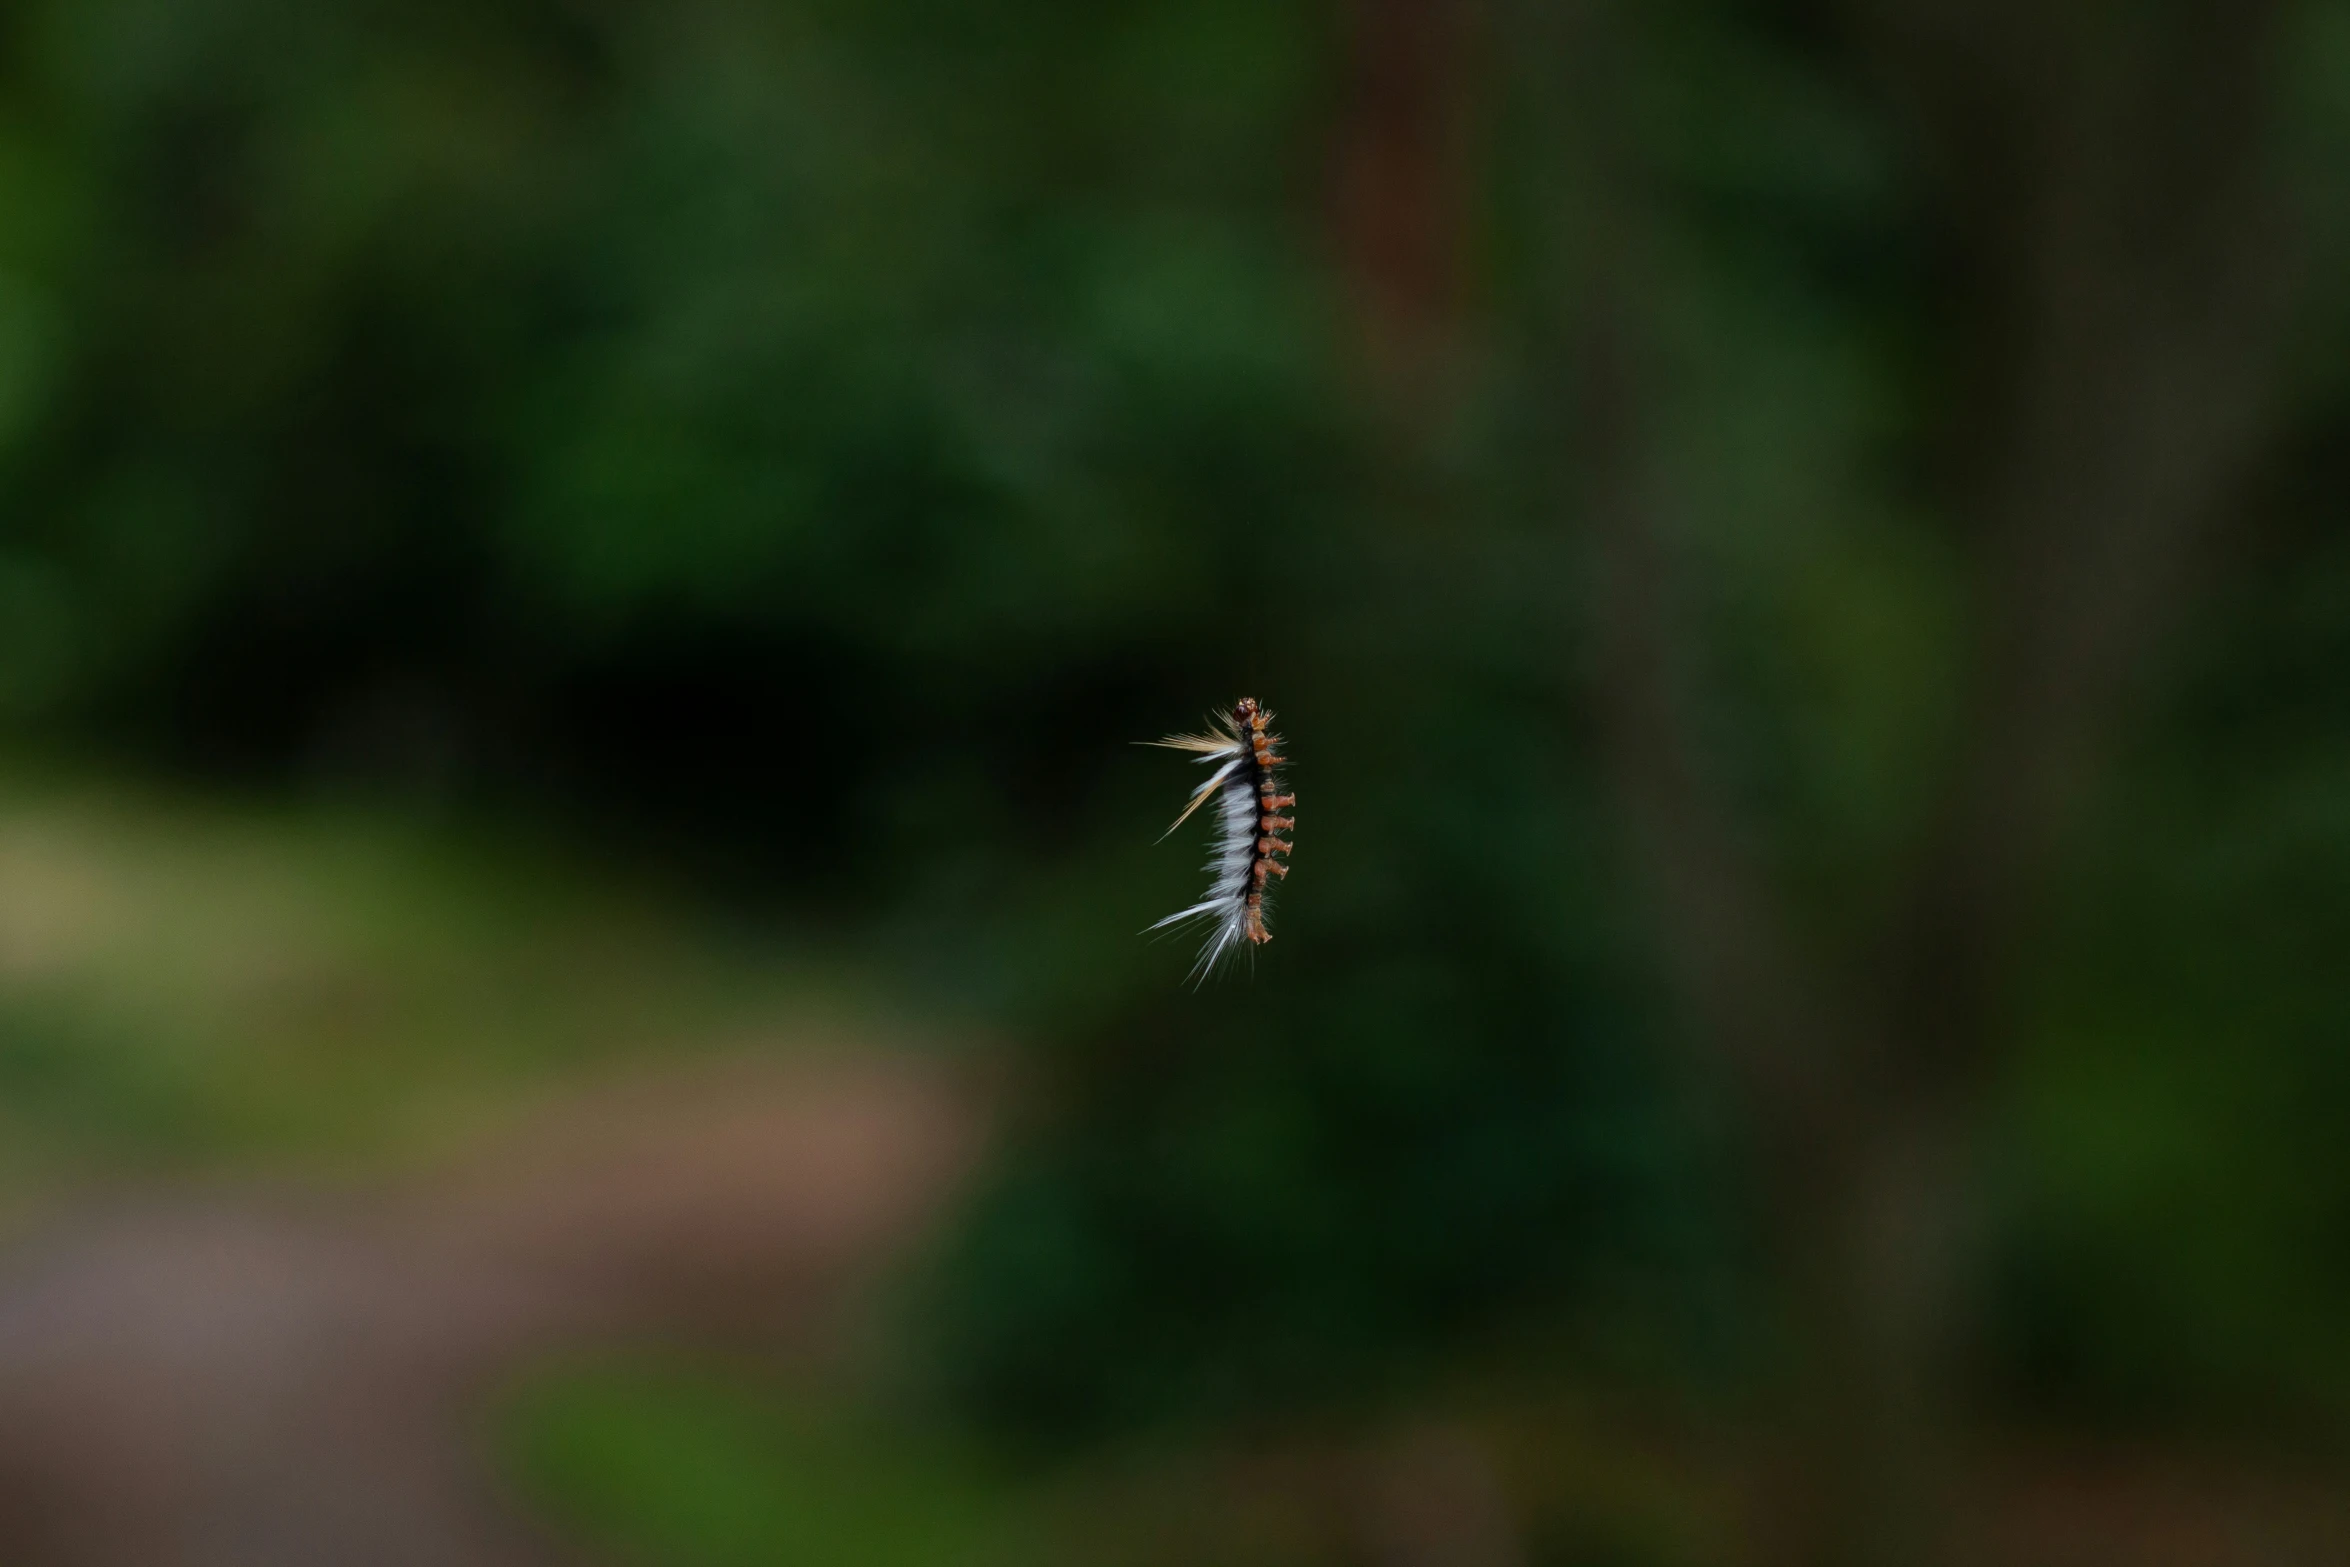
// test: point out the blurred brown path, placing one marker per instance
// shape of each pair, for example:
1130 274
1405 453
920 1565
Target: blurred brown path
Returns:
286 1379
289 1378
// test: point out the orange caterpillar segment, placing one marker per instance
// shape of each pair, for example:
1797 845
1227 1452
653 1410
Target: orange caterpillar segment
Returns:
1265 863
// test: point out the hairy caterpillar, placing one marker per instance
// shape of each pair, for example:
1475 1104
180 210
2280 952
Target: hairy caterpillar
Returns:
1247 844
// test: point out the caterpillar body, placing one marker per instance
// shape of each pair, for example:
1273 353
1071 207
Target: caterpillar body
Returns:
1248 847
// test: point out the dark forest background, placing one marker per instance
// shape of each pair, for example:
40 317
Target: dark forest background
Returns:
1801 549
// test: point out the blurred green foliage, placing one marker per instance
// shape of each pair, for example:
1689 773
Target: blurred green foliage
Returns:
711 1470
811 440
561 395
202 987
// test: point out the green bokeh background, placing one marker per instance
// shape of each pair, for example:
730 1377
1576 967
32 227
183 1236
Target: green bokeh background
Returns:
706 494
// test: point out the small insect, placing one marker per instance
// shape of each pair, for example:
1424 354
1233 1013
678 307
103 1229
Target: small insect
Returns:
1248 845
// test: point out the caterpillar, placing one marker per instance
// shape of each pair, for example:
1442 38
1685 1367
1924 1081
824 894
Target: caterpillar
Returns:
1248 846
